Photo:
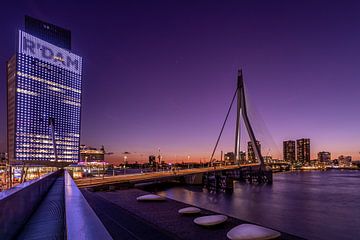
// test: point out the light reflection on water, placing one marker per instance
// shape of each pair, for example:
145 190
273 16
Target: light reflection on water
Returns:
314 204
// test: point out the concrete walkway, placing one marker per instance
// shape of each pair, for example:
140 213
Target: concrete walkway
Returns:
126 218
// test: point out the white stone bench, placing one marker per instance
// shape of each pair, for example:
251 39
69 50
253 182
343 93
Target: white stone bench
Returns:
211 220
189 210
150 197
252 232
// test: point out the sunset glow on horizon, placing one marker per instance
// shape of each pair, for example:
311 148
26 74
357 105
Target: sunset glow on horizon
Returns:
163 75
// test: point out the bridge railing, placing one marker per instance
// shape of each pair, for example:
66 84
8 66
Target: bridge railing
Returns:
17 207
81 221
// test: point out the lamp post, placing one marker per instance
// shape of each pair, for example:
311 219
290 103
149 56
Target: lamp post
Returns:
125 158
157 165
103 165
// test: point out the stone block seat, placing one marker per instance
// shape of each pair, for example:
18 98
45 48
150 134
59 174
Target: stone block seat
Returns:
150 198
210 220
189 210
252 232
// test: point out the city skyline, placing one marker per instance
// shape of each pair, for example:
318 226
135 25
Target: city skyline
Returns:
171 91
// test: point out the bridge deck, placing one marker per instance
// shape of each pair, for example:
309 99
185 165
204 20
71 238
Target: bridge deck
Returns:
125 218
152 176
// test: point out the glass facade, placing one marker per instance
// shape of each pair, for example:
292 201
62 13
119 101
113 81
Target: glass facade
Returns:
44 101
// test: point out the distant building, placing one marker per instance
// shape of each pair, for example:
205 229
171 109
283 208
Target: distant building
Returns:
289 153
251 153
303 151
89 154
229 157
344 161
152 160
324 157
242 157
268 159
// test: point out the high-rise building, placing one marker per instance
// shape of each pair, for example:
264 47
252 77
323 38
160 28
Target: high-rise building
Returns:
289 153
242 157
303 151
251 153
50 33
324 156
43 95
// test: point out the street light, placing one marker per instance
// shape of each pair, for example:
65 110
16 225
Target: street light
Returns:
157 165
125 158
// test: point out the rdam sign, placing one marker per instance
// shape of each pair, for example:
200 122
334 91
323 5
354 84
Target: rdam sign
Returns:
40 49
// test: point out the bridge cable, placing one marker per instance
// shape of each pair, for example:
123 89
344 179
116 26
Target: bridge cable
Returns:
222 128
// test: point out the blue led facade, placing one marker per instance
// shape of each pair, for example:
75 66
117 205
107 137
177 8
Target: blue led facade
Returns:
44 85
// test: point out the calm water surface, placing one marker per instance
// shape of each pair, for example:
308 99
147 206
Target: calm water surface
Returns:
313 205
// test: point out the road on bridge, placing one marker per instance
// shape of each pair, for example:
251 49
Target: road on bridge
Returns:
152 176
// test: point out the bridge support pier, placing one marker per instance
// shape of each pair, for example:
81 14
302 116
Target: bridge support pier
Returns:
224 180
255 175
215 182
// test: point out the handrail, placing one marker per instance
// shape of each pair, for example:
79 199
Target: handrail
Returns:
17 188
81 221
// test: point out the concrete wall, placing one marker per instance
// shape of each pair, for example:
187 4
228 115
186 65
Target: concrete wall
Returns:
17 204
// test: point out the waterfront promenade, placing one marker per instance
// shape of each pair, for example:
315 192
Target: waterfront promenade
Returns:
126 218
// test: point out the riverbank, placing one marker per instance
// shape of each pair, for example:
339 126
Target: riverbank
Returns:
126 218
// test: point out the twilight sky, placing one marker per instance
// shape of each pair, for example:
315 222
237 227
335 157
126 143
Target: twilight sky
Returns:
161 74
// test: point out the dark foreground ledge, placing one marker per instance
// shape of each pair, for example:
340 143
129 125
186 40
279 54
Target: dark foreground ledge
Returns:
126 218
50 207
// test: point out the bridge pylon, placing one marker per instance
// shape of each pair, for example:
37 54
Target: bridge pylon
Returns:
241 111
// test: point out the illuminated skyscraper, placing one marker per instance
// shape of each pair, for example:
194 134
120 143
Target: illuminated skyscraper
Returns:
303 151
251 153
289 153
43 95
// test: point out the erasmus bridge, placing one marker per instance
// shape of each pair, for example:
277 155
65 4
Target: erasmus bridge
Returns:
253 172
55 207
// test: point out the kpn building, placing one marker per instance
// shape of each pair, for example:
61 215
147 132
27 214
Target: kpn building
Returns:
43 96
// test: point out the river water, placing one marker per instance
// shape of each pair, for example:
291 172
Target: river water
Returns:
312 204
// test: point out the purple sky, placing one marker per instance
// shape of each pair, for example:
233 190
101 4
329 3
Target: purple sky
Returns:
160 74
